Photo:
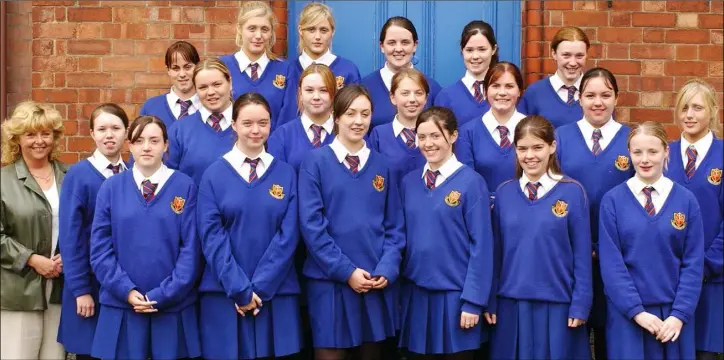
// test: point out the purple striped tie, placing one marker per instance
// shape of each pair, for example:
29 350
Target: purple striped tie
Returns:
596 137
409 136
353 162
477 92
532 190
215 121
253 163
571 92
691 155
431 178
185 105
254 71
504 140
317 132
649 207
149 190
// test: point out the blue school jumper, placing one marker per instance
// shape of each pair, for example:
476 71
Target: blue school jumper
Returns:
345 72
706 186
151 247
448 267
158 107
193 145
458 98
543 272
249 232
383 110
598 175
349 221
290 144
541 99
653 264
271 84
403 159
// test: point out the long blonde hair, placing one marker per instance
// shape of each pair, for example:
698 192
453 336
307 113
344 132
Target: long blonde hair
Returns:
252 9
708 94
30 117
311 15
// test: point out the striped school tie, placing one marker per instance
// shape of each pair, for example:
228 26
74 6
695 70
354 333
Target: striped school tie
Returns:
477 92
532 190
596 144
215 121
353 162
691 155
253 163
431 178
571 91
185 105
409 137
115 168
254 71
649 207
317 135
149 190
504 140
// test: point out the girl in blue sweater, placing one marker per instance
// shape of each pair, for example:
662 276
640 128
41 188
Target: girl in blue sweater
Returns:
249 231
448 267
181 101
466 98
205 136
542 255
351 220
145 253
696 163
593 151
398 42
651 244
487 145
316 30
79 313
556 97
255 68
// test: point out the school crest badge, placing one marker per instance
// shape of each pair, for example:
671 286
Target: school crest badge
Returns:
714 177
453 198
560 209
678 221
277 192
378 183
280 81
177 205
340 81
622 163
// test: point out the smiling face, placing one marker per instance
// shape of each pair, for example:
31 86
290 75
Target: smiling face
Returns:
213 89
37 145
409 98
108 133
149 147
317 38
352 125
648 155
398 47
252 126
256 34
570 57
477 54
314 95
435 143
598 101
503 93
534 155
695 118
180 73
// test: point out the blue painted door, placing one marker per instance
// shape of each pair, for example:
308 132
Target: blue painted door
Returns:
438 24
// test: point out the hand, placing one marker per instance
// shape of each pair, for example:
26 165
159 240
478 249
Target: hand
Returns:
140 303
85 306
43 266
468 320
58 263
492 319
574 323
649 322
379 282
670 330
254 305
360 281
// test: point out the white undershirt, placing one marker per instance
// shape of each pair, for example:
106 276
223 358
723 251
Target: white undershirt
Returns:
54 200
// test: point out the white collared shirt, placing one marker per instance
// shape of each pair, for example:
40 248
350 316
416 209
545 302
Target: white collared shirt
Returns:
608 131
327 127
237 159
327 59
446 170
100 162
224 123
341 152
159 177
492 125
558 83
547 181
468 80
397 127
244 63
702 147
172 100
386 74
662 189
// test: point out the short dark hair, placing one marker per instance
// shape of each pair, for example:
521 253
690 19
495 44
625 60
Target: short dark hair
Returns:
186 50
248 99
600 72
400 21
344 99
109 108
137 126
442 117
480 27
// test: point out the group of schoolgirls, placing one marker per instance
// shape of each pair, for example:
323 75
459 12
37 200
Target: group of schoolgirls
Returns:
447 227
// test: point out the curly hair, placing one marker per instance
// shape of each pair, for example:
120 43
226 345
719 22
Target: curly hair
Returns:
30 117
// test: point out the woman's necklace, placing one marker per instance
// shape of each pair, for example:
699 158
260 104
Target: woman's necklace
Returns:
44 178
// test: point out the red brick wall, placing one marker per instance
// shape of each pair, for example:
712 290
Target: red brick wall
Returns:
19 55
653 48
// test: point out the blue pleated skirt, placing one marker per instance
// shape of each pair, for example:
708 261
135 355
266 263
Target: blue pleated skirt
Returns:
76 332
431 322
710 318
341 318
627 340
528 329
274 332
125 334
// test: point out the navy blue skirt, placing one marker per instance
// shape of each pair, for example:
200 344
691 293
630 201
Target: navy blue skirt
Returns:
527 329
125 334
76 332
341 318
274 332
431 322
710 318
625 339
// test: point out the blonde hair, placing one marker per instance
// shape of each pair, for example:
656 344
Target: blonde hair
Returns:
569 33
708 94
30 117
212 64
654 129
252 9
311 15
412 74
327 78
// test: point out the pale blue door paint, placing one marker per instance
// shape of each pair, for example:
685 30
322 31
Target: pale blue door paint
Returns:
438 24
